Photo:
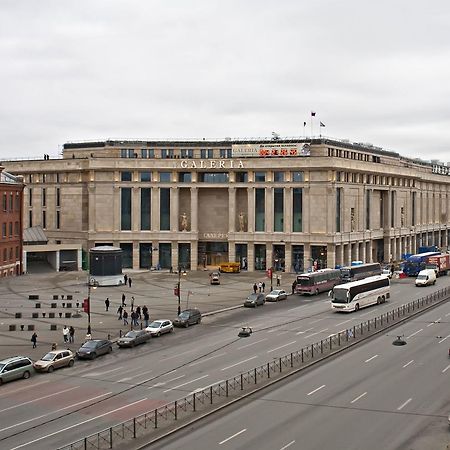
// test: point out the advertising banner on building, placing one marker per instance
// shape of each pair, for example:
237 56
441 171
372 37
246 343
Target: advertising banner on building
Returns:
269 150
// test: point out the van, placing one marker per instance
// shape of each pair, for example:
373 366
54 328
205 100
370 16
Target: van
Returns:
14 368
426 277
188 317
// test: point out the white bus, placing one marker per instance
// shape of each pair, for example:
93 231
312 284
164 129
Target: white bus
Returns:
359 294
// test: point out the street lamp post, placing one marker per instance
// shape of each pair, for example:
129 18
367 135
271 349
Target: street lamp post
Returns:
87 305
179 288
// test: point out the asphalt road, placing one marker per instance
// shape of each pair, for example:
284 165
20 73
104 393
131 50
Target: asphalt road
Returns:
378 396
51 410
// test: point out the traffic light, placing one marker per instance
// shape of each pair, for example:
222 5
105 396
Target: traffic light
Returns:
86 305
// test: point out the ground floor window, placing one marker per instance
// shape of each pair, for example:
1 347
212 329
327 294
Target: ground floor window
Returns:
260 257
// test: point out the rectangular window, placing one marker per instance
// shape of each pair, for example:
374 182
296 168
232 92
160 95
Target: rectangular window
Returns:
297 177
147 153
131 153
10 229
58 197
260 177
164 209
187 153
11 202
5 254
241 177
57 177
17 252
17 202
125 209
278 177
123 153
392 209
30 218
44 197
4 230
16 228
367 210
338 209
297 210
5 202
146 194
278 209
146 176
184 177
213 177
167 153
58 220
44 177
164 177
260 209
44 219
127 254
225 153
125 176
206 153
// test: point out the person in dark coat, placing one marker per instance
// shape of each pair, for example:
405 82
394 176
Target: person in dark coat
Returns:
129 281
107 303
255 288
119 311
123 300
125 278
125 318
34 339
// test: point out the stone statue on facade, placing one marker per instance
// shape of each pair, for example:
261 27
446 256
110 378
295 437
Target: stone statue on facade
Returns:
184 222
241 221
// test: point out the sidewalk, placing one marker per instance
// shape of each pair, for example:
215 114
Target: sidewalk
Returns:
154 289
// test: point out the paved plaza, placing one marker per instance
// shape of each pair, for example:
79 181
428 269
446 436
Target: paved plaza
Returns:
154 289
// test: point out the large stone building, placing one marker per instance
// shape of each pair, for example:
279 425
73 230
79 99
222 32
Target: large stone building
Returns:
288 204
11 213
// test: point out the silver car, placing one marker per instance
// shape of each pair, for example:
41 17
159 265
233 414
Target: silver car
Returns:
54 360
159 327
277 294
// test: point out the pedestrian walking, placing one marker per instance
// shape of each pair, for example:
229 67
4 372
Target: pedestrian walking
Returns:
263 286
71 334
144 310
123 300
260 286
125 279
255 288
134 318
66 333
119 311
34 339
294 285
107 303
125 318
129 281
146 318
138 312
278 280
132 303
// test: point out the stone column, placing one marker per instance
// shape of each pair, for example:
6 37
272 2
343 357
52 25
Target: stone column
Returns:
251 213
362 255
194 210
288 258
174 256
135 210
331 255
287 210
175 211
231 251
194 256
307 257
155 209
231 210
251 256
268 210
135 262
116 209
155 254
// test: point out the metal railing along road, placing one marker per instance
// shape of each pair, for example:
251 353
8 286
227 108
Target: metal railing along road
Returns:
197 404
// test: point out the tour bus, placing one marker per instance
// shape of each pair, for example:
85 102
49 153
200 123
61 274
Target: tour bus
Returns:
359 294
319 281
230 267
354 273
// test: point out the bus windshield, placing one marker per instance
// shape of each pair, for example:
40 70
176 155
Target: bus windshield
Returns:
340 296
304 281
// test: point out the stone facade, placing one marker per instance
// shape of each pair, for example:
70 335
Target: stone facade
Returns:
289 205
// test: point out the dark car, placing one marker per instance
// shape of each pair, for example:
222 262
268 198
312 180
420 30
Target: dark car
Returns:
188 317
93 348
133 338
254 300
276 295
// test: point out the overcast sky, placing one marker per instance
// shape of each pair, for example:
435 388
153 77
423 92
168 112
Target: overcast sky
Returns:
373 71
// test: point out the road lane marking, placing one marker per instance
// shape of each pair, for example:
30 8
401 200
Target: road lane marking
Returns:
184 384
233 436
367 313
207 359
240 362
39 398
342 323
163 383
317 332
411 335
55 411
253 343
206 387
282 346
357 398
318 320
305 331
407 364
287 445
370 359
176 378
404 404
445 370
134 376
31 386
315 390
442 340
47 435
184 352
283 332
94 374
434 322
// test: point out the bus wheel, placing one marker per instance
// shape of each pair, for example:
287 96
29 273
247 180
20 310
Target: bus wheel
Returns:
383 299
357 307
378 300
317 291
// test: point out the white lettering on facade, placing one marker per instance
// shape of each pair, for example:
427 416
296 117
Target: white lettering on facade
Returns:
211 164
214 236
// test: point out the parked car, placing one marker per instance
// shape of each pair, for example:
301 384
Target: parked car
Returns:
276 295
133 338
54 360
93 348
159 327
188 317
254 300
14 368
386 271
214 278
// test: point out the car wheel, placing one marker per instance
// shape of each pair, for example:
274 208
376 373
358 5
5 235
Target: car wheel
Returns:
186 324
71 363
158 334
26 374
170 331
1 381
357 307
110 349
93 355
317 291
198 321
50 369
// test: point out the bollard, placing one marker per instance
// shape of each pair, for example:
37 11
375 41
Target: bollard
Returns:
22 327
78 304
60 314
63 305
43 315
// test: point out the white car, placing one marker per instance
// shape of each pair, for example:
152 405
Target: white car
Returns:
159 327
